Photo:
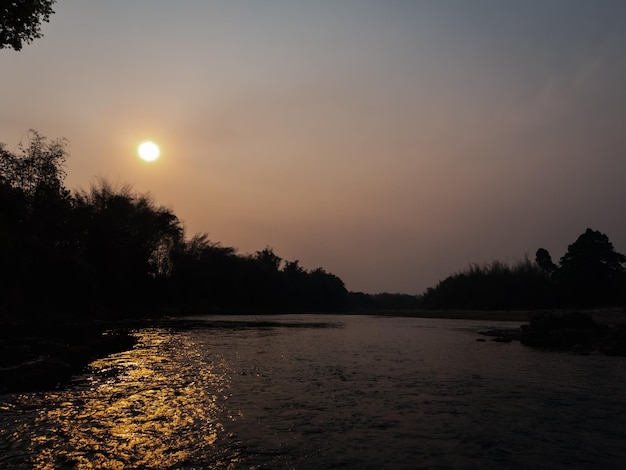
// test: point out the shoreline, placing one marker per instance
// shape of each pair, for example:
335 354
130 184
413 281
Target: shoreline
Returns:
601 316
34 358
43 356
450 314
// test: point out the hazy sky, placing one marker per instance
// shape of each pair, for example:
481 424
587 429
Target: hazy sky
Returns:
391 142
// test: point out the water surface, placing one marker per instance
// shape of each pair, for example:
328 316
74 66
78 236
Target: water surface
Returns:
314 391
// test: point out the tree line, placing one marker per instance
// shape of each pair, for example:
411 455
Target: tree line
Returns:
590 274
108 250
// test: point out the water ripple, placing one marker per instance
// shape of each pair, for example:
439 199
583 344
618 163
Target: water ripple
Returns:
156 406
373 393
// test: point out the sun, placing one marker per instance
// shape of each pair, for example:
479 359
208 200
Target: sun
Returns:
148 151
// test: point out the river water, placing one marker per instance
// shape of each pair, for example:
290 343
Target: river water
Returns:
324 391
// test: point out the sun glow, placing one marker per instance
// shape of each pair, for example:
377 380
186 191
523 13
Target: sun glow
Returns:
148 151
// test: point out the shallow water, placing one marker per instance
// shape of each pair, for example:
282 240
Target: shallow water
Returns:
316 391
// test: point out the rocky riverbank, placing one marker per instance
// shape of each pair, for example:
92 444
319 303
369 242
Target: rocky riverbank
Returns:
577 332
43 355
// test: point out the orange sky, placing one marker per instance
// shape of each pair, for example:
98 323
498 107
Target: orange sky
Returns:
391 143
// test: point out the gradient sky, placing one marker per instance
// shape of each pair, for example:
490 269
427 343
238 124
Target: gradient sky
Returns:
391 142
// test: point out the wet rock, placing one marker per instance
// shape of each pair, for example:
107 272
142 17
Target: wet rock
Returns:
503 335
40 374
502 339
540 322
573 331
33 359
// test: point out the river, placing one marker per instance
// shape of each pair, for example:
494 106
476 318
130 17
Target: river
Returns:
325 391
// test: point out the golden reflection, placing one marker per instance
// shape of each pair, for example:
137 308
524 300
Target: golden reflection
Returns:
159 405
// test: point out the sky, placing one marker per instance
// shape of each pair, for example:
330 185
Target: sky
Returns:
390 142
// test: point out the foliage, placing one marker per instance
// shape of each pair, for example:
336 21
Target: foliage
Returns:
108 249
36 238
113 250
20 21
125 240
492 286
40 166
384 301
590 274
544 261
208 277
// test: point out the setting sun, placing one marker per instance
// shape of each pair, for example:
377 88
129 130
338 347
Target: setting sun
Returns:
148 151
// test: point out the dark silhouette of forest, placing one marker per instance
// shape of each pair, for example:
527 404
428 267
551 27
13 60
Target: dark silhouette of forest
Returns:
79 268
590 274
109 251
72 263
384 301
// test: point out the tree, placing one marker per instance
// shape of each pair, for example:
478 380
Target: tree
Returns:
37 236
326 291
592 272
492 286
126 240
205 276
38 167
268 260
544 261
20 21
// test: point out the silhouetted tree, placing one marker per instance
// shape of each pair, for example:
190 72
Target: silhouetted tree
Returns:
205 276
36 229
126 240
262 281
544 261
326 291
492 286
591 273
20 21
268 260
40 166
389 301
384 301
109 247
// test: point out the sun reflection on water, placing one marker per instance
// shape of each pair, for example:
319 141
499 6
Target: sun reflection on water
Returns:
160 405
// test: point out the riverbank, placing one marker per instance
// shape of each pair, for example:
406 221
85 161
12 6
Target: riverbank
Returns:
45 354
601 316
454 314
42 355
573 331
